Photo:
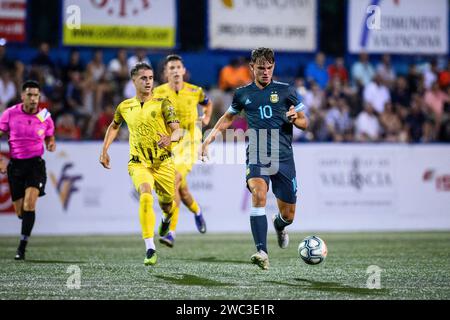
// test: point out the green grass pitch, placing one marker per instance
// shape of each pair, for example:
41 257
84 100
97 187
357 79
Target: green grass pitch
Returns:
217 266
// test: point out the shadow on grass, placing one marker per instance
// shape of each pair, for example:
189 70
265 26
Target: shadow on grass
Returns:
191 280
54 262
330 287
215 260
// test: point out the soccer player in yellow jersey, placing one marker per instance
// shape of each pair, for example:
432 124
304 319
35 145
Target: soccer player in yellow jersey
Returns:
185 98
153 126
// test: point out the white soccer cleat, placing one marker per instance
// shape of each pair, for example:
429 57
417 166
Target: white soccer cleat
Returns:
261 259
282 236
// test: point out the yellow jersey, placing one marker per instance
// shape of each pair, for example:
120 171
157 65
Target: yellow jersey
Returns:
185 102
144 122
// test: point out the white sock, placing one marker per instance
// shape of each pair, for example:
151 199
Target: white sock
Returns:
149 244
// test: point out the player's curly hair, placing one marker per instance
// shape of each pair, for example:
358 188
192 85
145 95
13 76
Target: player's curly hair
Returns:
263 54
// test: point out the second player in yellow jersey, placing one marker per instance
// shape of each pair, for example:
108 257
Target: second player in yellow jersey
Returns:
185 97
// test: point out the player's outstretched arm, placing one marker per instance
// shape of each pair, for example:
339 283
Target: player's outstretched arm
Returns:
50 143
111 134
222 124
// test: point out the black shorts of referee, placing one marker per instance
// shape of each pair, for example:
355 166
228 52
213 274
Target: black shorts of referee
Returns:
25 173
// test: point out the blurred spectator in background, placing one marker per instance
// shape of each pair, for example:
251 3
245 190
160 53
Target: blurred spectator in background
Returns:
430 73
415 119
118 71
234 75
401 96
377 94
444 77
66 129
367 126
129 91
318 125
435 99
338 120
43 59
97 85
316 71
314 98
428 131
444 130
391 124
75 102
139 56
104 120
43 64
337 70
386 71
15 67
414 78
74 64
7 89
5 62
362 71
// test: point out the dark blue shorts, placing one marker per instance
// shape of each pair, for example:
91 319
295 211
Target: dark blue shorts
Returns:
284 182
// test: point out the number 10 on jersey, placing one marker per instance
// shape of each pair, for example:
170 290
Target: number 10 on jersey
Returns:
265 112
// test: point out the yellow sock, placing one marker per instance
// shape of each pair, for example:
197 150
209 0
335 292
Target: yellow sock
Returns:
147 215
194 207
174 220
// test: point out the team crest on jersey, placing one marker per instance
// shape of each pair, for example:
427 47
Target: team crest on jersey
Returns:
40 132
274 98
154 114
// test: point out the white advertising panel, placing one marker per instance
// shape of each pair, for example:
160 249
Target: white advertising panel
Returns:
341 188
398 26
134 23
247 24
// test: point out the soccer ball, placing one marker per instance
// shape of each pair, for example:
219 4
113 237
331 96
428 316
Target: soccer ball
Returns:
312 250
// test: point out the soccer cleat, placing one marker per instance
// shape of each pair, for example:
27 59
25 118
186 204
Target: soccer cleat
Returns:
168 240
282 235
163 227
261 259
150 258
200 223
20 255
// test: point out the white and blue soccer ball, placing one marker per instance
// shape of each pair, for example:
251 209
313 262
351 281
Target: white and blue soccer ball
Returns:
312 250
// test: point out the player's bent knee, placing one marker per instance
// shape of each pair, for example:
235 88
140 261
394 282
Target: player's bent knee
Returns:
178 180
29 206
288 213
166 207
259 196
145 188
184 192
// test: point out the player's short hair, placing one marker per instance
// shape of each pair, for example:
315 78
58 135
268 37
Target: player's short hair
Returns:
30 84
140 66
262 54
172 57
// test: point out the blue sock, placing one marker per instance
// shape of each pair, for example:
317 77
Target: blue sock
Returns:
258 223
280 223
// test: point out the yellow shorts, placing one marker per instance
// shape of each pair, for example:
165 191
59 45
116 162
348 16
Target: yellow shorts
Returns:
186 154
161 178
